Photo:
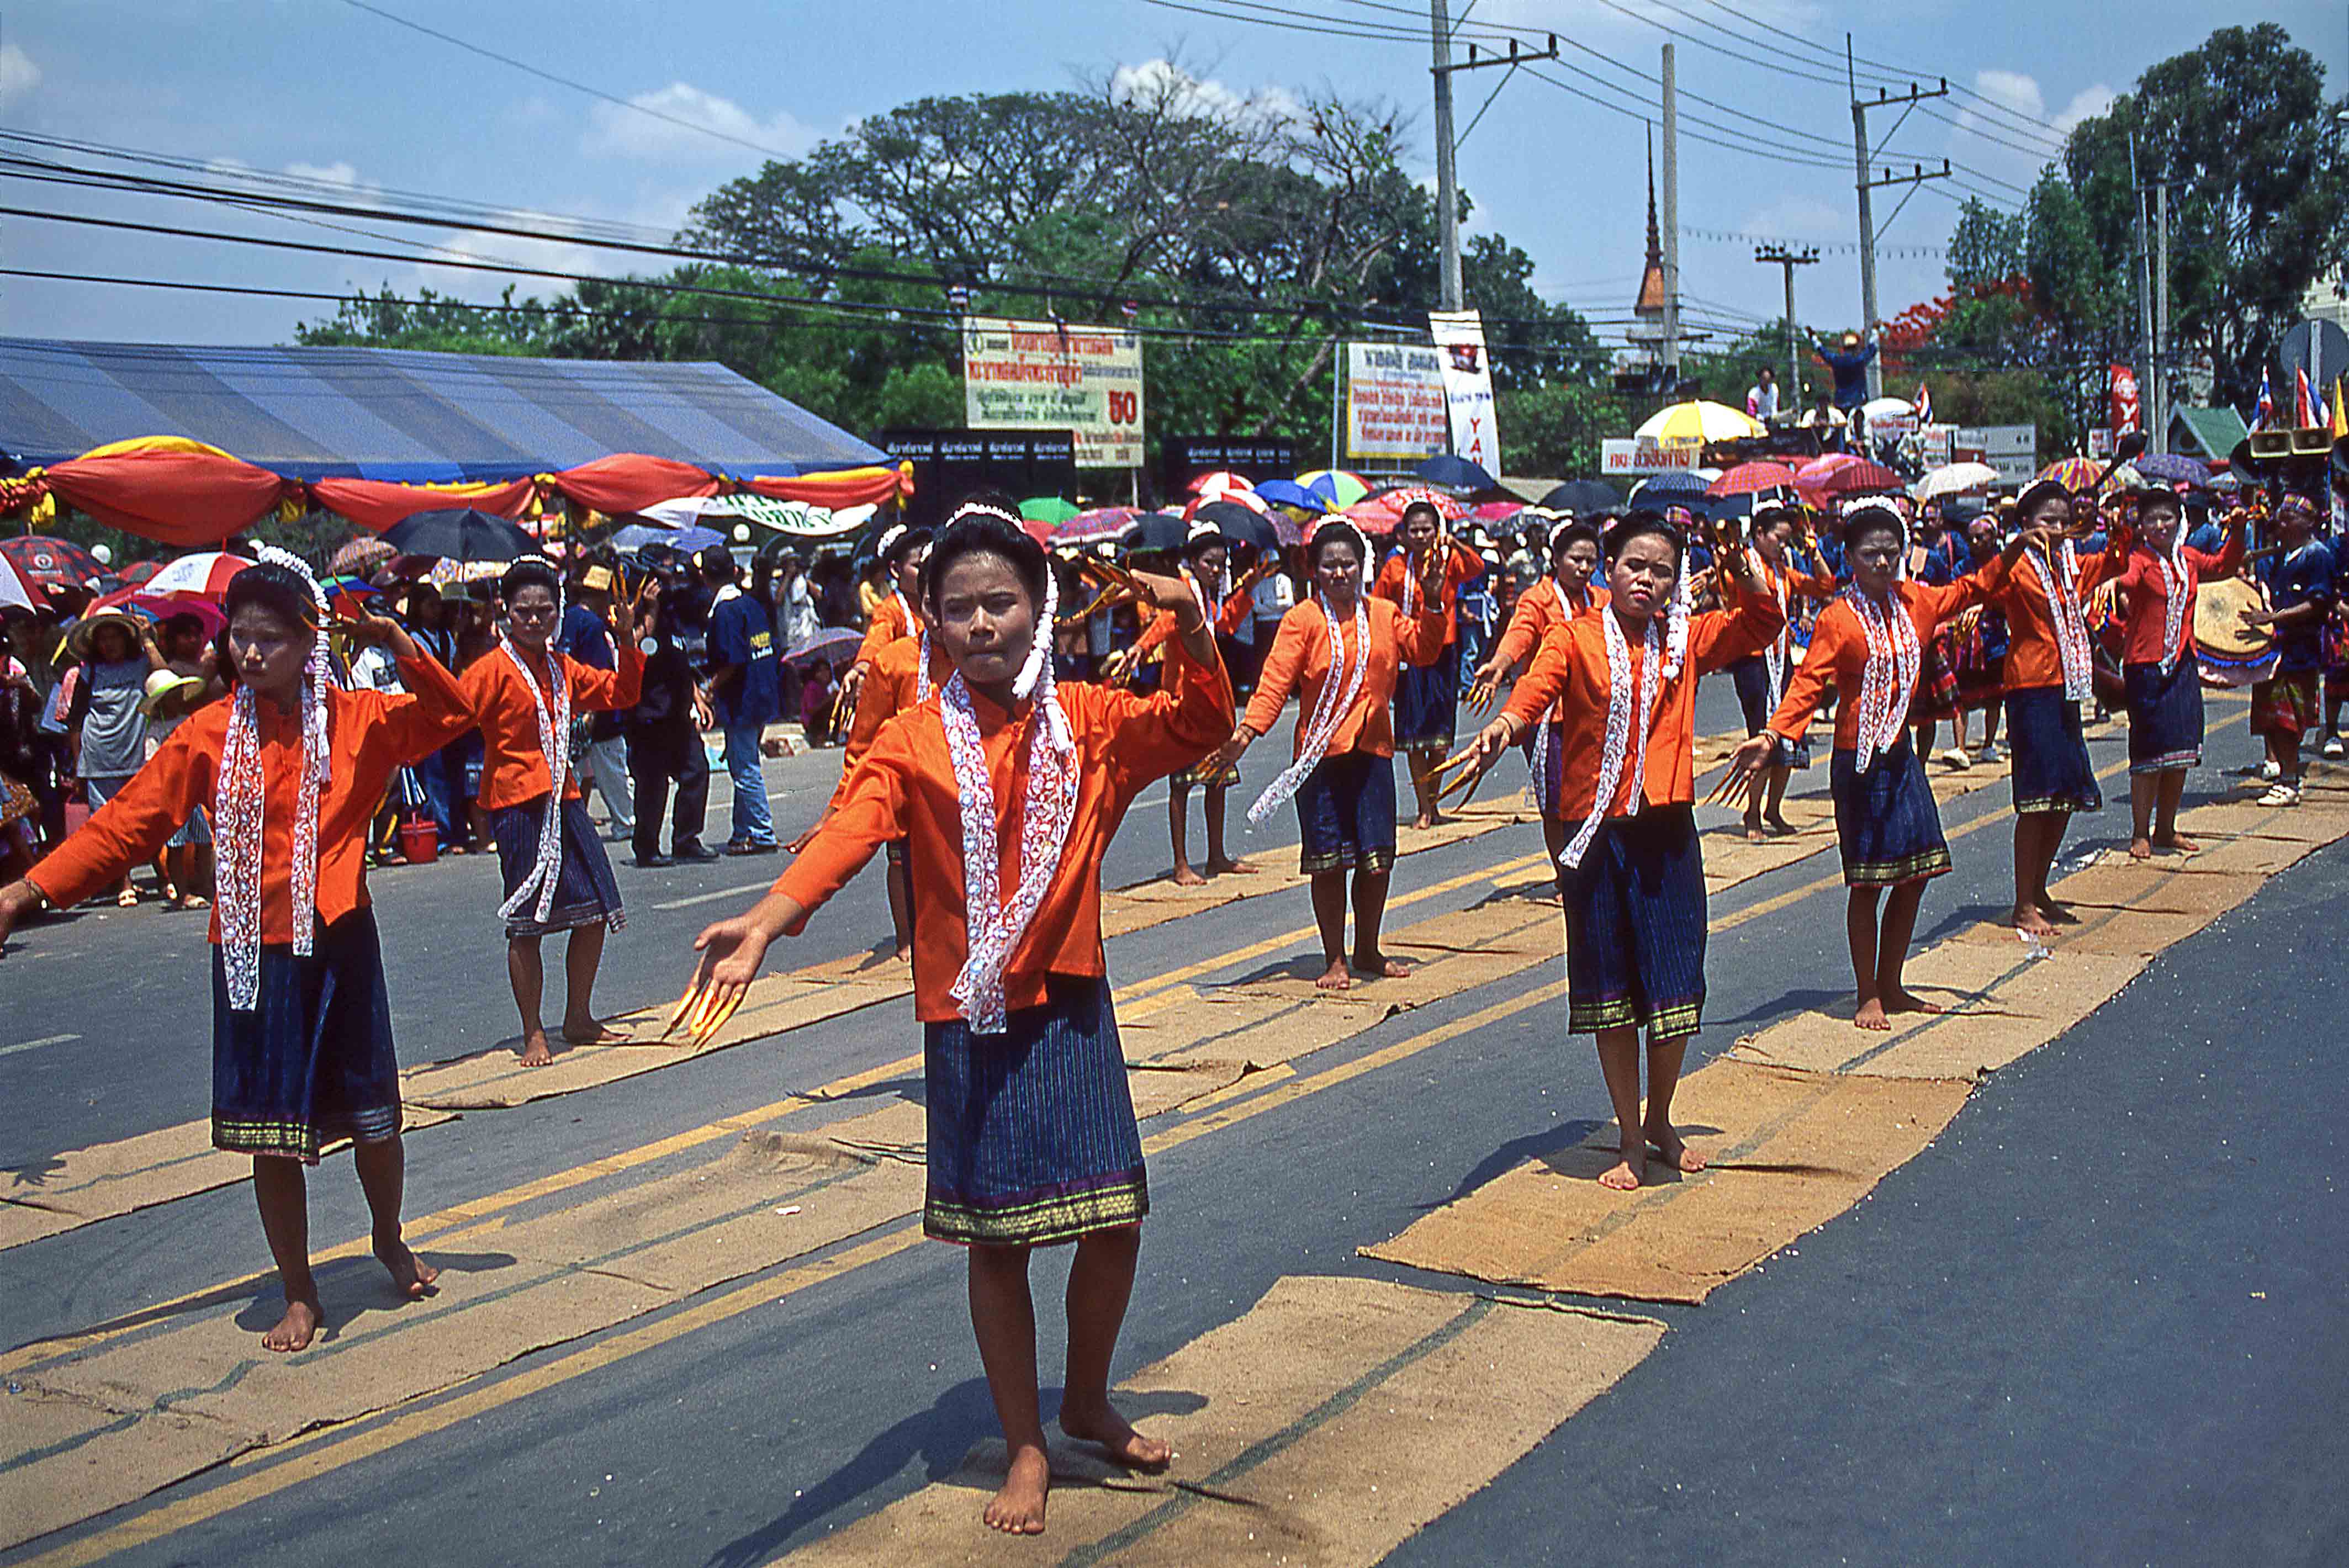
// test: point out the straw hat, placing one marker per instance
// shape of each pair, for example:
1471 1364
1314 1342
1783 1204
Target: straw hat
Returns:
83 637
169 690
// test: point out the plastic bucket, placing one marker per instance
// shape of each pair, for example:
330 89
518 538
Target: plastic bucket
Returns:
419 842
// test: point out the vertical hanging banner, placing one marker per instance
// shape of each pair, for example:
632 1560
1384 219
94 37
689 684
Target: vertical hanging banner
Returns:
1459 337
1397 410
2127 411
1045 375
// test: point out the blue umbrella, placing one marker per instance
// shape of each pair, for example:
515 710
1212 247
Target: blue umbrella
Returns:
2174 469
1289 493
1677 482
636 535
1456 474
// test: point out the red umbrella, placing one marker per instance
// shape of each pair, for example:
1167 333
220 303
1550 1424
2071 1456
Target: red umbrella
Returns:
1856 477
1752 478
1384 510
204 575
1092 527
139 570
1221 480
47 563
1245 498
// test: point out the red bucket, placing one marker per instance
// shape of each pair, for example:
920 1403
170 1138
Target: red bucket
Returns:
419 842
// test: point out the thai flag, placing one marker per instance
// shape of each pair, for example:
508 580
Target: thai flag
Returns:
2304 406
1924 406
2263 413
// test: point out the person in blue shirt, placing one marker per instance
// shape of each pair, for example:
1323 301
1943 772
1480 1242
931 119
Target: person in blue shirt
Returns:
2299 577
1850 368
745 689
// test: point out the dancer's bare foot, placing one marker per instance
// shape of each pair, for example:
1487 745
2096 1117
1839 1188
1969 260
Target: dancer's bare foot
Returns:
1677 1153
1231 868
535 1053
2026 918
2177 843
295 1329
1337 978
1779 827
1906 1001
1425 821
1019 1507
1754 835
2140 849
411 1273
2056 912
1104 1425
592 1032
1871 1015
1186 877
1625 1174
1380 967
905 953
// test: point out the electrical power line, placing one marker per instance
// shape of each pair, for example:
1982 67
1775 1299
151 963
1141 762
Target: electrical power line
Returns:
548 76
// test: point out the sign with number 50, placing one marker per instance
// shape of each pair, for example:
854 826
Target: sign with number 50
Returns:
1048 376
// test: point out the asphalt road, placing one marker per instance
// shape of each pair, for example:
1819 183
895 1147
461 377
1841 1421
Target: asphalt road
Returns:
2097 1321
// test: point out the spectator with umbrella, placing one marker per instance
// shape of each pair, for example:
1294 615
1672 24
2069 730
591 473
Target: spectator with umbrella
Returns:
1427 696
556 876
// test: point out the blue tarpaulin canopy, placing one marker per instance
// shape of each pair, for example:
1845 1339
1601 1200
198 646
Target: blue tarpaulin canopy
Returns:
404 415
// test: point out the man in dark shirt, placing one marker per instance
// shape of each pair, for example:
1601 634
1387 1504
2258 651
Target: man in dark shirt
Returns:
664 743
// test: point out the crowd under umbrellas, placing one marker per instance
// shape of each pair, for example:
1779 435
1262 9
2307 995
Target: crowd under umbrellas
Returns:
1020 674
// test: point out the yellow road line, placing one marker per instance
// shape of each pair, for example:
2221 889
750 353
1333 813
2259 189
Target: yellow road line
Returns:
1253 1096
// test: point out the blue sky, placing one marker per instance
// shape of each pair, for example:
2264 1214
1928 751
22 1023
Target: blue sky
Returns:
319 88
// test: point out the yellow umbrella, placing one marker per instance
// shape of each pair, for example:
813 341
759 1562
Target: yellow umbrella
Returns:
1694 423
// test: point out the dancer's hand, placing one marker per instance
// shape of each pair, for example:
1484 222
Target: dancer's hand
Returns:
1491 741
1485 686
18 898
1228 754
1168 594
624 620
1751 755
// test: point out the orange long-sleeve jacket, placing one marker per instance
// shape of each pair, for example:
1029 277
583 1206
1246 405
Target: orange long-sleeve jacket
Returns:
1299 662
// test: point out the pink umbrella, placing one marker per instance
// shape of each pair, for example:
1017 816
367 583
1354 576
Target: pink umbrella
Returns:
157 608
204 575
1385 510
1497 510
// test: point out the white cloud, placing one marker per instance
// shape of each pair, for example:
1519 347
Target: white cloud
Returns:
1799 218
2022 93
1163 81
623 133
337 173
18 74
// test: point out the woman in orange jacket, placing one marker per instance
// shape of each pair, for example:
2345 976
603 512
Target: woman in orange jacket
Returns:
291 767
1340 651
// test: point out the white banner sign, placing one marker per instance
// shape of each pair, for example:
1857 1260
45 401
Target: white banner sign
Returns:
1035 376
1396 407
1629 458
1468 381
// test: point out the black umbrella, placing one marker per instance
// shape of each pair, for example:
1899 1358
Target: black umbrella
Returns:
1456 474
1238 525
1155 530
459 535
1583 497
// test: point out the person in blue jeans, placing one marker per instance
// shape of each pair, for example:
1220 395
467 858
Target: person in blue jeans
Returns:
746 688
1849 365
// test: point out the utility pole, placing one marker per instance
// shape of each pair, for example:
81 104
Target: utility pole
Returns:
1448 179
1671 224
1447 146
2143 268
2161 354
1862 158
1780 255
